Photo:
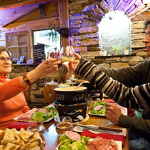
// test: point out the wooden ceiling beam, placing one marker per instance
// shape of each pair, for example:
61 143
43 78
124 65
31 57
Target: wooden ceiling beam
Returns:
5 3
15 3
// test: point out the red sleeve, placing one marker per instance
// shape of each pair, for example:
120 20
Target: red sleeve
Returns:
11 88
25 109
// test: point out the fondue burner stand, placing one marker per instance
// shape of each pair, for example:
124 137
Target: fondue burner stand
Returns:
76 111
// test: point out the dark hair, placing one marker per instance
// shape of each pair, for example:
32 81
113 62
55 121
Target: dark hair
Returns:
146 24
2 48
62 73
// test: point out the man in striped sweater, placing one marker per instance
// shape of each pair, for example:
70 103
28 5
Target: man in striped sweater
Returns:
132 91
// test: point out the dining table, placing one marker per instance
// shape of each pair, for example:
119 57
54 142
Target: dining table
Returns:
51 138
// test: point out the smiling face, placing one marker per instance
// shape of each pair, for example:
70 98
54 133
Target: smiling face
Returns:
5 65
146 40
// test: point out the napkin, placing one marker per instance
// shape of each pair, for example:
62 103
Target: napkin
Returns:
103 135
131 112
18 125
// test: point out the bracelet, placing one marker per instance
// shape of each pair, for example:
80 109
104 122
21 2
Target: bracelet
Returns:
25 78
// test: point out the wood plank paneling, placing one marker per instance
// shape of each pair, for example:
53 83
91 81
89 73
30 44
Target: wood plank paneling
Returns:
7 4
34 25
64 19
4 3
51 10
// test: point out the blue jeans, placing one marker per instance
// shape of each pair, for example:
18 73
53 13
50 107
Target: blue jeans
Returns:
138 143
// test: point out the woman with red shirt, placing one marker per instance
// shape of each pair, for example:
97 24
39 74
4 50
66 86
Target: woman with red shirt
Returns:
12 99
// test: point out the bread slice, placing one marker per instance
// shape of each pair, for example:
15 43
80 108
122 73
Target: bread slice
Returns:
25 135
1 147
10 146
35 148
1 134
8 137
35 137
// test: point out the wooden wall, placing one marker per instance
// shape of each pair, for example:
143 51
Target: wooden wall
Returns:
28 18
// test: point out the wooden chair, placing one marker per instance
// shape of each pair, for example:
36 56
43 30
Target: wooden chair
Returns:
49 93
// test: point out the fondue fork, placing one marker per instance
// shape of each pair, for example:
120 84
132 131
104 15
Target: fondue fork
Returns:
80 129
93 127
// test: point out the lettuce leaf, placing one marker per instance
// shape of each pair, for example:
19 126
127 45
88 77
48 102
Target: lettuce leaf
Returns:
40 116
100 111
69 144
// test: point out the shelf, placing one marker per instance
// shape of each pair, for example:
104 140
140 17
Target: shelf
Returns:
99 57
17 46
24 64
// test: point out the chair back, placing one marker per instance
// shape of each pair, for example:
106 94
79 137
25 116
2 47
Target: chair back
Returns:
49 93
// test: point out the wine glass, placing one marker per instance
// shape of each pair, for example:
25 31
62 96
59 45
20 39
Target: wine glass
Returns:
52 55
63 124
66 54
34 126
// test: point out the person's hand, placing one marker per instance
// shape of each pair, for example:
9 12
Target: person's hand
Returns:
48 66
113 112
72 65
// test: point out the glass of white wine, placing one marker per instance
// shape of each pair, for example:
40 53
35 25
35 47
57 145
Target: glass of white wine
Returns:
63 124
66 54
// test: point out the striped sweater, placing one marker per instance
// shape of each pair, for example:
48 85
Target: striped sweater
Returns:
133 97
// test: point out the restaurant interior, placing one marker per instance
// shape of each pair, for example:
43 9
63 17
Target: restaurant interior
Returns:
85 25
109 33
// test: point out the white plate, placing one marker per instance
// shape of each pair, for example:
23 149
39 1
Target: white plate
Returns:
119 143
31 112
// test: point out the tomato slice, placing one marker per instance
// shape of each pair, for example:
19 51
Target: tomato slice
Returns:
73 135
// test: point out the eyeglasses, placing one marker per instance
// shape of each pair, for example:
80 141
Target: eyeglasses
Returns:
3 58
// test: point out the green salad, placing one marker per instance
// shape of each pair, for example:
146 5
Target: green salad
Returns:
98 108
69 144
43 114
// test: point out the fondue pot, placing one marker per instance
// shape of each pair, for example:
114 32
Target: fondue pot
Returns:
70 101
70 95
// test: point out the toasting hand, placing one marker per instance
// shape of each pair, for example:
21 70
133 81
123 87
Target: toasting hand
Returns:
72 65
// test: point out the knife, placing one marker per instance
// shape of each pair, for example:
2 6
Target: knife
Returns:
99 127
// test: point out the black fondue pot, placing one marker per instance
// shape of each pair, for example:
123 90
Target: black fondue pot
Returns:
70 95
70 101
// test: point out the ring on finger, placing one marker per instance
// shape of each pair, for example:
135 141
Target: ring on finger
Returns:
50 69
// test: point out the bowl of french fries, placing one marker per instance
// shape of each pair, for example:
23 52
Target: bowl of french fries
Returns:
12 139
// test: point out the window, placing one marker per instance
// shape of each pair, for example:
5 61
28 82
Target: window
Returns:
50 39
115 32
18 44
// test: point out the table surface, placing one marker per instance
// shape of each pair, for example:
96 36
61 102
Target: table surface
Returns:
51 136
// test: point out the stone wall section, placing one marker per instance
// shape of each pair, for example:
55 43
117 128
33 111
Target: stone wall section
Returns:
85 37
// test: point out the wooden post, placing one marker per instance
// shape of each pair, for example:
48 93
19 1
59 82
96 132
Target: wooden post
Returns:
64 19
